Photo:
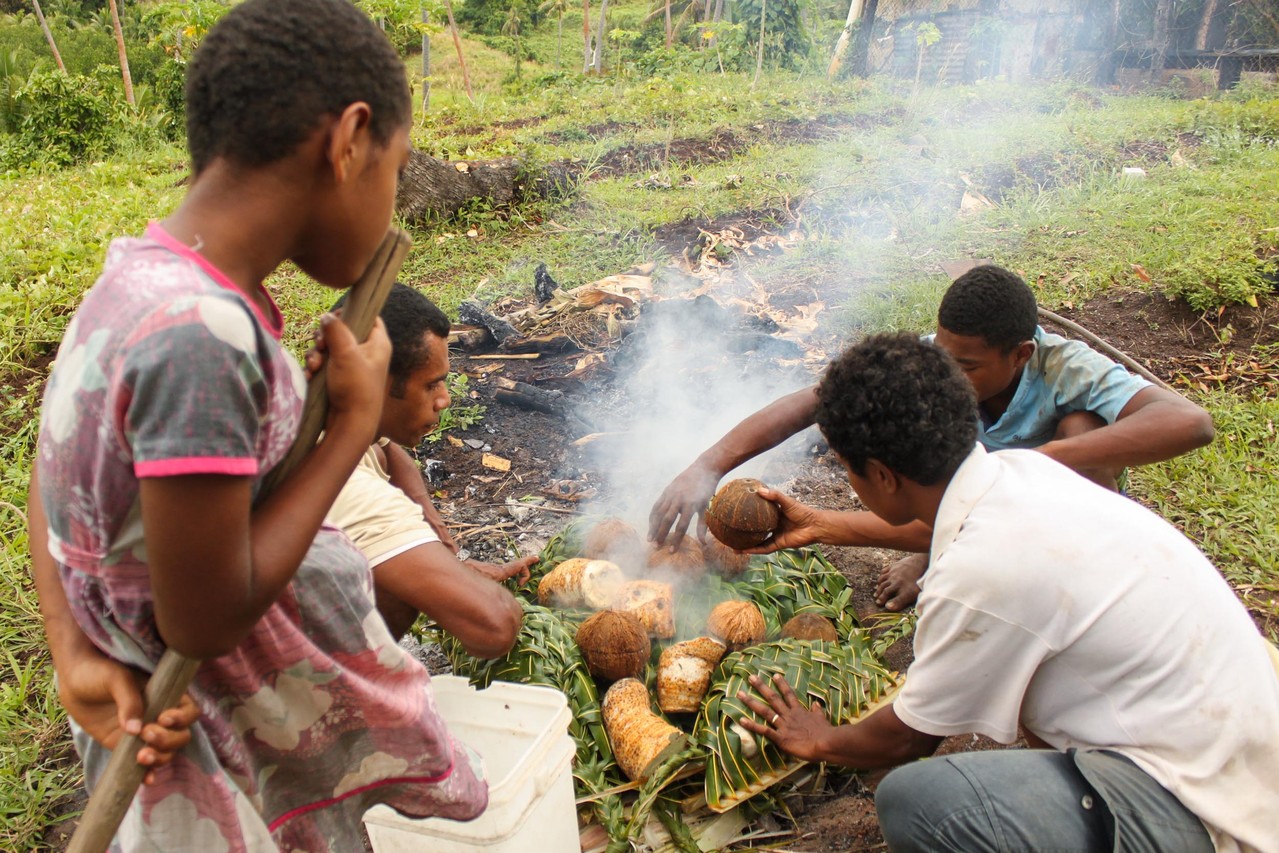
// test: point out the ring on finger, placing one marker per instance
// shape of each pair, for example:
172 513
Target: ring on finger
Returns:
773 721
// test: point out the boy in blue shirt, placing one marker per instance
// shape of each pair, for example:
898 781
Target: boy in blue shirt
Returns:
1034 390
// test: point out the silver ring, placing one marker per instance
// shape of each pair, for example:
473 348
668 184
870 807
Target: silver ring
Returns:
773 721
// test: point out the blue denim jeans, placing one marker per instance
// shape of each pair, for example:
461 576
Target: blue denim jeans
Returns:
1033 800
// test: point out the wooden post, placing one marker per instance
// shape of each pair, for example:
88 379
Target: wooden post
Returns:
845 36
48 36
457 44
1163 19
861 44
124 55
426 65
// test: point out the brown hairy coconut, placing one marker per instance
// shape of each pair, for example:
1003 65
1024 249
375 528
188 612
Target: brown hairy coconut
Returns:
810 626
728 562
738 623
613 539
688 560
614 645
739 517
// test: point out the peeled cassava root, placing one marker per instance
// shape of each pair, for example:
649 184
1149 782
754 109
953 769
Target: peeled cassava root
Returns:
684 673
580 583
739 517
653 604
614 644
641 740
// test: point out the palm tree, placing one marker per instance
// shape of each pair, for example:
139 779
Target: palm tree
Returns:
53 46
559 7
599 39
511 27
124 55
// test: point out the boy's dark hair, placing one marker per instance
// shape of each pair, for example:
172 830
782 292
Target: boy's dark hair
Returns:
408 316
902 401
270 70
991 303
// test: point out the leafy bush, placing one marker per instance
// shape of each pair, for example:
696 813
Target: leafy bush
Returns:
62 118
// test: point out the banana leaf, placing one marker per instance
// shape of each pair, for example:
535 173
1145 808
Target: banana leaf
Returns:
847 680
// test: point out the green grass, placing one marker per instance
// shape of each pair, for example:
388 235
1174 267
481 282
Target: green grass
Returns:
874 202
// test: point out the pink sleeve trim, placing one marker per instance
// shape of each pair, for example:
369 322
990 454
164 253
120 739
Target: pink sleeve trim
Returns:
234 466
273 323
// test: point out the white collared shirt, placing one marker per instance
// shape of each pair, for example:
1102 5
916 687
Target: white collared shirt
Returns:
1097 625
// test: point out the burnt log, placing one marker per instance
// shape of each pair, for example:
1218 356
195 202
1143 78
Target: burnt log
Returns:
431 187
526 396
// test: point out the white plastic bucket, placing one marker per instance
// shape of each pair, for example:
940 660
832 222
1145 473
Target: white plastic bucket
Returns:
521 731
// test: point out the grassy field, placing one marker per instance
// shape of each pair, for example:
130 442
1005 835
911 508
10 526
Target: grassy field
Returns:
870 174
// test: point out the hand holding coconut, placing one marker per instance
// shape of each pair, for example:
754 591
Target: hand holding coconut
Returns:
799 731
798 525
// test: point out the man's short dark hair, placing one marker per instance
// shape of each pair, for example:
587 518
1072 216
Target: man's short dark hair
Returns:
991 303
270 70
408 316
902 401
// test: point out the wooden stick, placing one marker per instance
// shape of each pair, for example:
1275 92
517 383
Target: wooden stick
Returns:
174 672
1119 355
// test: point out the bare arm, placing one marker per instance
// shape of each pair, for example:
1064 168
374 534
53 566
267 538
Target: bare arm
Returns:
804 525
483 615
102 695
1155 425
217 564
407 477
881 740
690 492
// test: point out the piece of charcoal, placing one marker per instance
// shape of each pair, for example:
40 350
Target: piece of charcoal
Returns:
543 284
472 313
435 472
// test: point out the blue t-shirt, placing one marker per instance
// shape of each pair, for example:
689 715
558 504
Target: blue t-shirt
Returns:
1061 377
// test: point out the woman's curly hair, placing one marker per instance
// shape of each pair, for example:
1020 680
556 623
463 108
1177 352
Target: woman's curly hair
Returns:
902 401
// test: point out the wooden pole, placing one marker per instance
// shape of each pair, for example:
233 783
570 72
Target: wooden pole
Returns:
845 36
457 44
426 65
124 54
174 673
48 36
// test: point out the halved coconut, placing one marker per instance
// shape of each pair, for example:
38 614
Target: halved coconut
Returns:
579 582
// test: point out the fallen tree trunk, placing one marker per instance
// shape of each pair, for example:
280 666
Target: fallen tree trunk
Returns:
431 187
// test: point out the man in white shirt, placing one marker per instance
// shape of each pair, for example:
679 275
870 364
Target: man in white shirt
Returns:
1053 604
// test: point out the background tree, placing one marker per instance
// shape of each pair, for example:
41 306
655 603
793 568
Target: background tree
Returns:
124 54
53 46
558 8
511 28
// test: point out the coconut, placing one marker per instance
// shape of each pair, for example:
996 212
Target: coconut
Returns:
739 517
684 673
738 623
613 539
581 583
653 604
687 560
810 626
614 645
728 562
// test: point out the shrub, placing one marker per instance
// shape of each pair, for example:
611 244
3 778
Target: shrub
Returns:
62 118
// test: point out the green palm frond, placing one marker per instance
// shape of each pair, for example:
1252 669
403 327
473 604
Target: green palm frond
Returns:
798 581
845 679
